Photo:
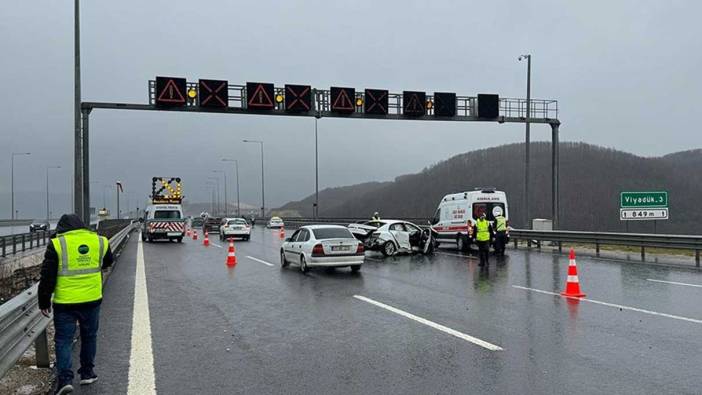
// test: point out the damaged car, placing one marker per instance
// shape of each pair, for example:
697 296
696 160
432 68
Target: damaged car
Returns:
392 237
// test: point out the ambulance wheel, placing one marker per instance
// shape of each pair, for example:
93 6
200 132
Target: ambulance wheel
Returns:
179 239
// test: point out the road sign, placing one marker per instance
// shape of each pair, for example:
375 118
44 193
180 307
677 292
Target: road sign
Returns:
298 98
414 103
640 214
444 104
644 199
376 102
488 106
213 93
259 96
342 99
170 91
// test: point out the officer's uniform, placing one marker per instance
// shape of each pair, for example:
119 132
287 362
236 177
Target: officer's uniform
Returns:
500 234
483 234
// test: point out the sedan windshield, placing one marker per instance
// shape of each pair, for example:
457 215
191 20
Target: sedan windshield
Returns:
332 233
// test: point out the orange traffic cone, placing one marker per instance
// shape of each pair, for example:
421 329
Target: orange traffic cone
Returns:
231 256
282 232
187 232
194 234
206 240
572 283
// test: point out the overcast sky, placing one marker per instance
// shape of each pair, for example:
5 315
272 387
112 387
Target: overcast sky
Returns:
626 75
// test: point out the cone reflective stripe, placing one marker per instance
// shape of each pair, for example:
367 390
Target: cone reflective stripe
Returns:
206 240
572 282
231 255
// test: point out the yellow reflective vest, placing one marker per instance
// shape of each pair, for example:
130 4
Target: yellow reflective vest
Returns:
483 227
500 224
79 277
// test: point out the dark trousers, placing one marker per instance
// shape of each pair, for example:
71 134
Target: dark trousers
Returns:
65 319
500 241
483 252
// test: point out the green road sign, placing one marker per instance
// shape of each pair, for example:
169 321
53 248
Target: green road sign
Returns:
644 199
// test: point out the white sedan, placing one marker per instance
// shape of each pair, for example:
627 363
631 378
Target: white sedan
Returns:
234 227
275 222
322 245
392 236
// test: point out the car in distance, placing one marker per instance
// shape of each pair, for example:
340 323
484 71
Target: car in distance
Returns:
211 224
394 236
39 226
322 246
275 222
234 227
196 222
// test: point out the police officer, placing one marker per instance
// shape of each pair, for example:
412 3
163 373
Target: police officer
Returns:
376 216
483 236
72 272
500 232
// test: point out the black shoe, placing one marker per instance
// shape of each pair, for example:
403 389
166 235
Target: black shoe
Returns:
64 387
88 377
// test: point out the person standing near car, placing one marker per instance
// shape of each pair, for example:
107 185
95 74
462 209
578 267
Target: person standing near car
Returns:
483 236
72 272
500 232
375 217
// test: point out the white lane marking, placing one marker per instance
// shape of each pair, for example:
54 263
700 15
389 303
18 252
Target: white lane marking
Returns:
674 283
619 306
215 244
453 332
259 260
141 358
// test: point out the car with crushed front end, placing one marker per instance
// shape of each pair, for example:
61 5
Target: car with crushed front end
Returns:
322 246
391 237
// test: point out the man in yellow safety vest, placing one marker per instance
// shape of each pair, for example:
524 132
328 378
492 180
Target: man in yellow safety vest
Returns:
500 232
72 272
483 237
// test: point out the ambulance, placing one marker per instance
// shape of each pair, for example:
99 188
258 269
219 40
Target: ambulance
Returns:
452 223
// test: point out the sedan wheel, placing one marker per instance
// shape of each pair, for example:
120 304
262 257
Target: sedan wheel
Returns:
283 262
389 248
303 264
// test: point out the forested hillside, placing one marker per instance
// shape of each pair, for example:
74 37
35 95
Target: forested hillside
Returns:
591 179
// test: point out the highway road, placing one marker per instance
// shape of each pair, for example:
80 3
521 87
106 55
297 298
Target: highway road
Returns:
177 320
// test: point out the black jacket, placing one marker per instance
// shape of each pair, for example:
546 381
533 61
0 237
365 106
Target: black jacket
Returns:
49 268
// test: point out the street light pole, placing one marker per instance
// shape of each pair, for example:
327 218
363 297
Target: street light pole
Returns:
48 213
226 201
218 208
316 169
12 180
263 182
527 144
236 168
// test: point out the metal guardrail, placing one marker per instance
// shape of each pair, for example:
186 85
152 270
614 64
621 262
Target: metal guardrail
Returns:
642 240
21 322
13 244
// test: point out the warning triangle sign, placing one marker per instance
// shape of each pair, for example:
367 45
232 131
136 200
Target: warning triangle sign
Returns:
414 106
171 94
343 101
260 98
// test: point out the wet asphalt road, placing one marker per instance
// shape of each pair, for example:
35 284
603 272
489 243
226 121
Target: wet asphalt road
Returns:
257 328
